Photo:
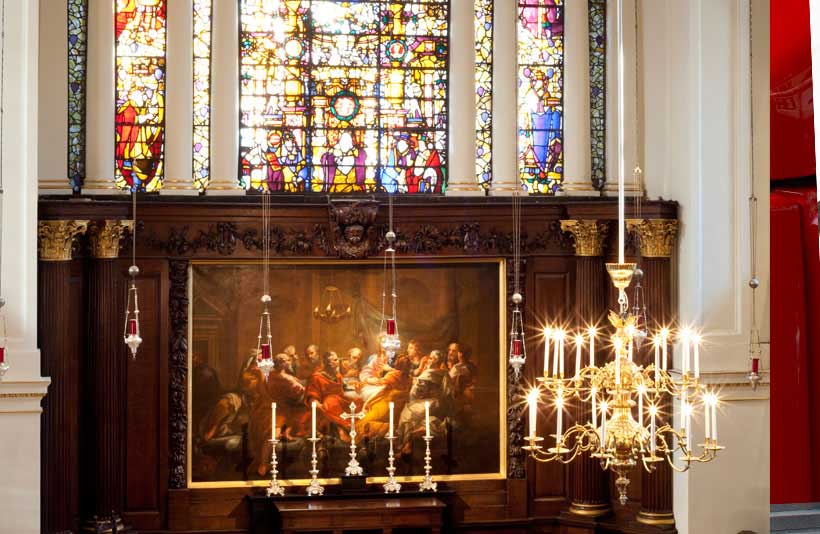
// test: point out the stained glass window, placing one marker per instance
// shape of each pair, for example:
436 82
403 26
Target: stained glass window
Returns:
484 91
540 94
202 94
339 96
77 68
597 89
139 31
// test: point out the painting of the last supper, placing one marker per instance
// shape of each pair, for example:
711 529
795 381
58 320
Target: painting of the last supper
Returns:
326 324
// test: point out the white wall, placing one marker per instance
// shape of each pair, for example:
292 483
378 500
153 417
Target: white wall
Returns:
22 388
697 144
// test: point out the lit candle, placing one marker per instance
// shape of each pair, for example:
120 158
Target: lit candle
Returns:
697 355
664 343
687 428
629 355
594 407
313 420
641 391
603 425
427 419
714 417
653 410
707 402
559 404
686 345
390 432
579 344
656 342
555 350
532 403
547 334
273 420
618 361
561 345
592 347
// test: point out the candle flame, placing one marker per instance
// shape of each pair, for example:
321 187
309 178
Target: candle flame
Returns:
532 396
653 410
579 339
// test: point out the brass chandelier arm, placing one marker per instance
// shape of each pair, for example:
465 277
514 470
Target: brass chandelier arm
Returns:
584 438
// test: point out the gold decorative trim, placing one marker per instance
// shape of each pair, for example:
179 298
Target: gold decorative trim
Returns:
657 237
104 238
22 395
650 518
589 235
589 510
55 238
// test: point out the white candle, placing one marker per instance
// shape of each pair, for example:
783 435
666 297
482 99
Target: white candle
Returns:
617 361
652 411
664 343
579 344
313 419
390 432
714 418
641 390
273 420
592 347
555 354
686 342
532 402
657 362
561 345
427 419
687 413
547 334
697 356
559 404
603 425
706 417
594 408
629 355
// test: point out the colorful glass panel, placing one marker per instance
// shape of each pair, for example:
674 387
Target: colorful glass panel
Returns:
540 94
484 91
597 90
202 94
77 68
341 97
139 33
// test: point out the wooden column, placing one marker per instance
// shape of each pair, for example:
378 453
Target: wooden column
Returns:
590 490
59 339
107 358
657 239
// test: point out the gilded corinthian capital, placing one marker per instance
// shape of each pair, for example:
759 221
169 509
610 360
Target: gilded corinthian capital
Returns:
105 237
589 235
656 236
55 238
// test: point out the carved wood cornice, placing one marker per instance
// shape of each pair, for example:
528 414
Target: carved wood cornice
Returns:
55 239
105 238
657 237
589 235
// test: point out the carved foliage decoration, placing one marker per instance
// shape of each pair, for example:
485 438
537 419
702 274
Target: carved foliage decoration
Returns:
55 239
657 237
177 371
351 224
516 409
589 236
104 238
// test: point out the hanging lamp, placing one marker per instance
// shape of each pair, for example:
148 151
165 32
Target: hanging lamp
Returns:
518 350
264 355
390 340
132 312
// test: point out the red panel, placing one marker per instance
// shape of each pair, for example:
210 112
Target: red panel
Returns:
792 108
795 337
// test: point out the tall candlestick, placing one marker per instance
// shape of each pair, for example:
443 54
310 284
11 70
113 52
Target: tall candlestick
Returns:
579 344
532 402
696 341
657 362
273 421
592 347
547 334
653 410
426 419
707 420
313 420
390 432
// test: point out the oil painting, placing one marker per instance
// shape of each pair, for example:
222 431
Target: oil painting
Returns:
326 321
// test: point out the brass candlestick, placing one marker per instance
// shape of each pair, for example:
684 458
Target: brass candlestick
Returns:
314 488
392 485
275 488
427 484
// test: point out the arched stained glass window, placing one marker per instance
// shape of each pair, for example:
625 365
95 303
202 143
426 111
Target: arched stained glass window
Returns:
139 28
597 90
77 70
339 96
202 94
540 94
484 91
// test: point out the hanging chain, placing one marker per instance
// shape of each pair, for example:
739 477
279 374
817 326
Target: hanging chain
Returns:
516 206
2 130
392 255
754 282
265 240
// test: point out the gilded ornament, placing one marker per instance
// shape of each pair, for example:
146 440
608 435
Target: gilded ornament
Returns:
105 238
656 236
589 235
55 238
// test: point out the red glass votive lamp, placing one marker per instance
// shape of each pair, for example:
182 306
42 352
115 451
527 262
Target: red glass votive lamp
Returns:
517 347
2 354
265 351
132 327
391 327
755 365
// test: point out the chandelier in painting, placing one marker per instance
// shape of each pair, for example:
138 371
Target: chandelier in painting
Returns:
624 400
332 307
